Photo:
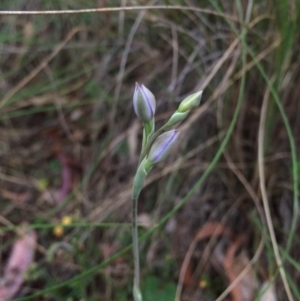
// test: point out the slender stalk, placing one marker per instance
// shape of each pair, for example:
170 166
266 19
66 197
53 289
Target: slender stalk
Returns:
136 259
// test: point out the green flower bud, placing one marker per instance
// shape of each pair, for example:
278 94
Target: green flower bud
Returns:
162 146
191 102
144 103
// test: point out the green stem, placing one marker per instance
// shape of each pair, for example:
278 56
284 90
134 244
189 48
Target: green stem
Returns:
144 138
147 132
138 183
136 282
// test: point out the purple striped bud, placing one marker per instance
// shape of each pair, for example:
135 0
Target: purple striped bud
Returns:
143 103
162 146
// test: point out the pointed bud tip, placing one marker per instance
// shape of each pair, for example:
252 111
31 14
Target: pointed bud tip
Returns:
191 102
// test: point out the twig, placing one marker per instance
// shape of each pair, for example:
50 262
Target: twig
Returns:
118 9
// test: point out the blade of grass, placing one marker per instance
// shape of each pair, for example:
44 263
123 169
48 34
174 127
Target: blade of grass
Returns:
39 68
118 9
288 129
261 170
73 225
296 265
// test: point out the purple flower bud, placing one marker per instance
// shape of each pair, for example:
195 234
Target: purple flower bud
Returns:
162 146
143 103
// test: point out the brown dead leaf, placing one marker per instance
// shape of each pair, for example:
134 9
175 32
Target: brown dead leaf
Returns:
211 229
245 289
20 259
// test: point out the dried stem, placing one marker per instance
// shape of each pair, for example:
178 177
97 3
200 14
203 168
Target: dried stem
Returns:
261 169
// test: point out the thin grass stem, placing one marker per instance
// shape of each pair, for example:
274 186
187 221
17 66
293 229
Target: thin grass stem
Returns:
261 170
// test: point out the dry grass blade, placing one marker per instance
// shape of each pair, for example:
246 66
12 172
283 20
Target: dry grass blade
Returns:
118 9
222 88
125 56
261 170
39 68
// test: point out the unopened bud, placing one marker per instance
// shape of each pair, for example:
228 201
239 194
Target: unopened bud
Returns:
144 103
191 102
162 146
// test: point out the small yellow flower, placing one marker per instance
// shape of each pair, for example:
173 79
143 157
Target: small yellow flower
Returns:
58 231
203 283
66 220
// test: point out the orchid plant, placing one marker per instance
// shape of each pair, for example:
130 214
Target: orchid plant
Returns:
156 146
